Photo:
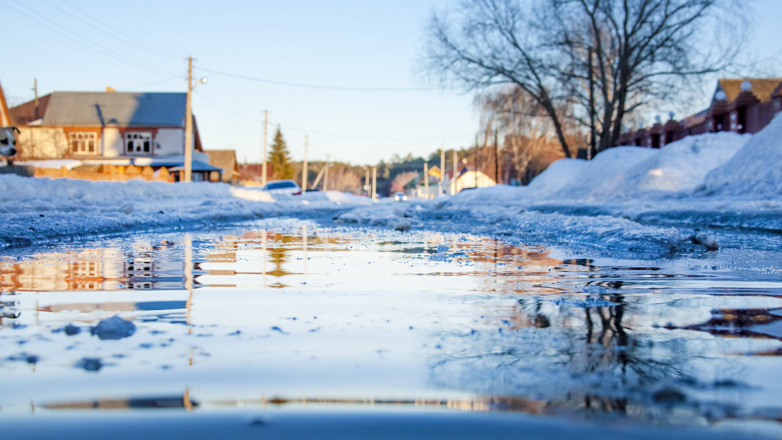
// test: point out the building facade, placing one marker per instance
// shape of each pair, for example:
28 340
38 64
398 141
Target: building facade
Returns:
740 105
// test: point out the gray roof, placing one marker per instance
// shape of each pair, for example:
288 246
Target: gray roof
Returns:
197 166
100 109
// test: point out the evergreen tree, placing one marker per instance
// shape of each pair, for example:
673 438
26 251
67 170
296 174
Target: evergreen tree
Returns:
280 158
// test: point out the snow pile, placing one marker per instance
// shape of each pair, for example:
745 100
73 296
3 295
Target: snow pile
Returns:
755 172
680 166
604 170
496 195
41 210
556 176
337 197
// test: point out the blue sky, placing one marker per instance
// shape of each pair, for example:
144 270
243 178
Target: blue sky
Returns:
141 46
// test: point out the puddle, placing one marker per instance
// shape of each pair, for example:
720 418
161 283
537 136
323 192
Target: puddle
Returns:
285 314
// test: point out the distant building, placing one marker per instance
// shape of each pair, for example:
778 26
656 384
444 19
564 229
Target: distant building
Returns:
111 128
742 105
467 179
225 160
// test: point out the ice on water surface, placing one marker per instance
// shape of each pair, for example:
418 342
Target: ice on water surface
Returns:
283 311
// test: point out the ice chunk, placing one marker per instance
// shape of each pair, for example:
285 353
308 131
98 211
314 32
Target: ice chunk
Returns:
89 364
113 328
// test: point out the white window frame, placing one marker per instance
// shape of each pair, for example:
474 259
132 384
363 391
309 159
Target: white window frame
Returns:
83 140
137 139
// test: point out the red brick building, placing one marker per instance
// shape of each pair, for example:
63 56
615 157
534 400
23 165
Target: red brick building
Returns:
743 105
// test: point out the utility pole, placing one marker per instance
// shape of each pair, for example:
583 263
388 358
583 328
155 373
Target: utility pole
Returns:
265 137
374 183
189 123
426 179
455 170
35 89
496 159
326 175
442 168
367 184
477 163
305 168
485 143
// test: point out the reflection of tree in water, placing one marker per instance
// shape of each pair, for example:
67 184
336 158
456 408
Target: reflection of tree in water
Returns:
279 253
570 356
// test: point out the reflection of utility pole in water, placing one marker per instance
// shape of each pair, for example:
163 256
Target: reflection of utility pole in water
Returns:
304 239
188 275
263 235
186 401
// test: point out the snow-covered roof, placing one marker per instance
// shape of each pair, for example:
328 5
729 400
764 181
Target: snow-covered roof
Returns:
100 109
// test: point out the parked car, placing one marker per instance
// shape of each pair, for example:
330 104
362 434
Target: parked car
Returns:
283 187
400 197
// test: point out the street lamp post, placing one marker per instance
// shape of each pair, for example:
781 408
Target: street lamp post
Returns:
189 120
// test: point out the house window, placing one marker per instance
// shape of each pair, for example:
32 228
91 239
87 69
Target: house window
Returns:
138 143
84 143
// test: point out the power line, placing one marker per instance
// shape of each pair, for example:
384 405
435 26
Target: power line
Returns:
153 83
62 31
317 86
369 138
113 32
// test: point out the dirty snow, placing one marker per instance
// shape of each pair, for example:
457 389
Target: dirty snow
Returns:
41 210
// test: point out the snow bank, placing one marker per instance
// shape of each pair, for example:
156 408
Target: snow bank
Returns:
556 176
497 195
41 210
604 170
755 172
680 166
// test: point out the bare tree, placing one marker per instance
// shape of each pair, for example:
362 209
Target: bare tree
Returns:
611 57
343 178
619 55
530 142
493 45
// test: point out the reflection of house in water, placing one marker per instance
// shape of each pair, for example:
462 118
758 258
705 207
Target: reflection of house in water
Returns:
93 270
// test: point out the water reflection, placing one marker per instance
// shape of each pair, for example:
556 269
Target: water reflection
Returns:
456 322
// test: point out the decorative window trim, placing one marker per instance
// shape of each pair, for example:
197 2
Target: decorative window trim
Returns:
138 143
83 143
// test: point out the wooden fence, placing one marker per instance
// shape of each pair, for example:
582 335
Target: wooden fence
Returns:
102 172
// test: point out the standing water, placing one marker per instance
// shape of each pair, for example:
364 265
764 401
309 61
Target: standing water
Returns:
286 319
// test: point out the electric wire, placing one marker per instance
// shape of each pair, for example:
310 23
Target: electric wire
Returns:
315 86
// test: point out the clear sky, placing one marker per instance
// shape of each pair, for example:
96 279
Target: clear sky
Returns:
140 45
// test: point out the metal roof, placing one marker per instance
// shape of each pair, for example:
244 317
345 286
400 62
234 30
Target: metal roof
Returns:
198 166
100 109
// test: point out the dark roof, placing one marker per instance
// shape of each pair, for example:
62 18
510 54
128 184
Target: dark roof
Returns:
25 113
121 109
